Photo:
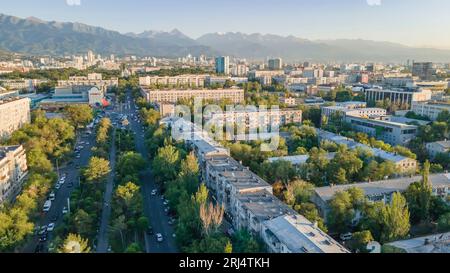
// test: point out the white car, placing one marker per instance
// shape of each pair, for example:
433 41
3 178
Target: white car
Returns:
65 210
346 236
52 196
159 238
154 192
51 227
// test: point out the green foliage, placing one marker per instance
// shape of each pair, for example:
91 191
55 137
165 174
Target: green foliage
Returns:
360 241
79 115
165 164
244 242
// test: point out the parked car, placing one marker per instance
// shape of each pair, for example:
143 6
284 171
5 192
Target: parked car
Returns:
65 210
159 238
51 227
43 230
346 236
154 192
52 196
47 206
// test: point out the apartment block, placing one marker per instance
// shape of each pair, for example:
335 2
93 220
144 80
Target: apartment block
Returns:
256 119
191 81
235 95
249 201
14 113
13 170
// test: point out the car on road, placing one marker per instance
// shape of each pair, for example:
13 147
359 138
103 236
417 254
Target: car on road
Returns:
43 230
47 206
52 196
62 181
346 236
171 221
167 210
159 238
65 210
51 227
154 192
166 202
57 186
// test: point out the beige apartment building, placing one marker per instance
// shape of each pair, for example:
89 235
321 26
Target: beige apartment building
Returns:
14 113
13 170
235 95
256 119
183 80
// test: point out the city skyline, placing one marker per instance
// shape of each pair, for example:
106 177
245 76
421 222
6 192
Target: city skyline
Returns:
349 19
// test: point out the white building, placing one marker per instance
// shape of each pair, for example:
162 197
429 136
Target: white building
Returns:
430 109
13 170
14 113
439 147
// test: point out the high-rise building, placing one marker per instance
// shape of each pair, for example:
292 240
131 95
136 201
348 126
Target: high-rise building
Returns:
223 65
276 64
90 57
423 70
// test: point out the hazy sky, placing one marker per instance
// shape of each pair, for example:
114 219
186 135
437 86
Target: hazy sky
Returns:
410 22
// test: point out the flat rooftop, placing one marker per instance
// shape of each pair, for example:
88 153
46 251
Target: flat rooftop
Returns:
11 99
438 243
264 205
384 186
236 174
302 236
352 144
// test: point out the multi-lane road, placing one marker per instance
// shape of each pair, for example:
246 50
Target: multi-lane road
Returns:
154 208
72 173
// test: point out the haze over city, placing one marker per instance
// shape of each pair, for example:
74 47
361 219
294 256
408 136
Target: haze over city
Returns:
388 20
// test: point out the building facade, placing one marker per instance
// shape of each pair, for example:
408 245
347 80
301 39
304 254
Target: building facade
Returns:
223 65
191 81
235 95
13 170
430 109
439 147
397 96
14 113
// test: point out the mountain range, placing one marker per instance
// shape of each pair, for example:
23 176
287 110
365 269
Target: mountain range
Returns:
35 36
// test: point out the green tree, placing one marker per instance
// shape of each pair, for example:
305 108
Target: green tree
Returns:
79 115
394 219
360 241
419 196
